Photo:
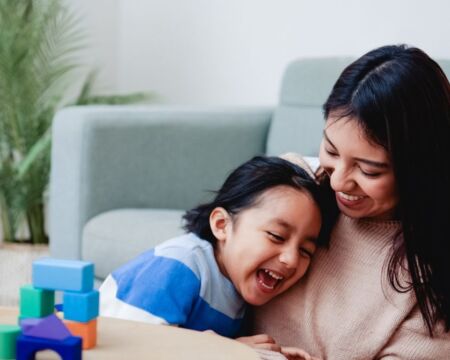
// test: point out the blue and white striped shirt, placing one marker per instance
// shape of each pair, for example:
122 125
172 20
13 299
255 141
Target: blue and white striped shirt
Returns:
178 283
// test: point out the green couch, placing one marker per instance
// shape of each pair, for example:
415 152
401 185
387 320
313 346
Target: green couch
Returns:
121 177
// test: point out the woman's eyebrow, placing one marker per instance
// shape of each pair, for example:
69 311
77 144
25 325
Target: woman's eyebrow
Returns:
374 163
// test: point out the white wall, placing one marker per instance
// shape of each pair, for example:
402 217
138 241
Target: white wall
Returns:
100 23
234 51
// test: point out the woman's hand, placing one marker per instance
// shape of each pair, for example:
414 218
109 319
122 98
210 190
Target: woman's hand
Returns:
261 341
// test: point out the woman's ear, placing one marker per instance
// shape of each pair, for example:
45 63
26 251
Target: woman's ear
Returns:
219 221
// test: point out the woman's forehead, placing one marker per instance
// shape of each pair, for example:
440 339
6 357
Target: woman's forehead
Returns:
346 134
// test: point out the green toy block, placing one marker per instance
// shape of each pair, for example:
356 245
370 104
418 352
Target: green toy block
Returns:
8 336
36 302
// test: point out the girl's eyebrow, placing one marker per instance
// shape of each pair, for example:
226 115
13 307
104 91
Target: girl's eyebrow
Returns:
287 226
374 163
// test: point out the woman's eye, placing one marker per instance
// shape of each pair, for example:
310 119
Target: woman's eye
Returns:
370 174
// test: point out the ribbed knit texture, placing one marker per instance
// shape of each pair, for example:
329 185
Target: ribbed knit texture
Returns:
345 308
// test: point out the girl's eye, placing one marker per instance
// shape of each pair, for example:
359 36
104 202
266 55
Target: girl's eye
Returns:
275 237
306 253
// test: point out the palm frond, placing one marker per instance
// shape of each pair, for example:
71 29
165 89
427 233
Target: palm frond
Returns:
40 41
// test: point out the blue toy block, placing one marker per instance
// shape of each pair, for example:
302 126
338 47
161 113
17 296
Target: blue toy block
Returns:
67 349
81 307
65 275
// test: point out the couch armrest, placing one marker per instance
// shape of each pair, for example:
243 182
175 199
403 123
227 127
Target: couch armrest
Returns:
111 157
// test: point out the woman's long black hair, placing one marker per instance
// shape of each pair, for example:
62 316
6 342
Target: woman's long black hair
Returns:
401 99
243 187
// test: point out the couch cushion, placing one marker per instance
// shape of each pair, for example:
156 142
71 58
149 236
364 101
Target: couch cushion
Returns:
298 121
114 237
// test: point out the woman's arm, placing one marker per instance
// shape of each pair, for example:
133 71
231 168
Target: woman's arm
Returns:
412 341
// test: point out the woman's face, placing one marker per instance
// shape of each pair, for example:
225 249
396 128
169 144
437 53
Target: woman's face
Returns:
360 171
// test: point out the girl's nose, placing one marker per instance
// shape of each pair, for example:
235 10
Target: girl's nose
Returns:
289 257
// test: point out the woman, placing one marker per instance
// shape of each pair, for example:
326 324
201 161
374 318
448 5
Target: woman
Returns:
382 289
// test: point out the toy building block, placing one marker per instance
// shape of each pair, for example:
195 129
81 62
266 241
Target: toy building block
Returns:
65 275
81 307
87 331
36 302
67 349
8 336
50 327
28 323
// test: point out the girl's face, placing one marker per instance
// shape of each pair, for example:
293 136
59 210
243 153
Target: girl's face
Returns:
266 248
360 172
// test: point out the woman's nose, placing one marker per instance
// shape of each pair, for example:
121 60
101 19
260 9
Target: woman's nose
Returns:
340 179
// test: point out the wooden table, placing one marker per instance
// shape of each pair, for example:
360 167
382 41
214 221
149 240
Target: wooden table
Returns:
127 340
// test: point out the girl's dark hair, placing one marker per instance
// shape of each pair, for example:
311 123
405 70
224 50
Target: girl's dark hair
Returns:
401 99
242 188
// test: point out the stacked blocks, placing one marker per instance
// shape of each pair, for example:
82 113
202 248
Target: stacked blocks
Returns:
80 301
41 327
8 336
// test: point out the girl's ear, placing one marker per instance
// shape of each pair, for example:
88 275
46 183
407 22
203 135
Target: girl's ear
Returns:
219 221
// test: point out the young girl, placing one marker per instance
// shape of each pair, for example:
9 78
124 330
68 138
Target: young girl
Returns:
251 243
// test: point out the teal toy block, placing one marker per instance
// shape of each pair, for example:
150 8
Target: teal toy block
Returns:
81 307
65 275
36 302
8 337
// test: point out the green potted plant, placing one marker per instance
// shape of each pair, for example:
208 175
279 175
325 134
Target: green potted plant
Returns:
39 44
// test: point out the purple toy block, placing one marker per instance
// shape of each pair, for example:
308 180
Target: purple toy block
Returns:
28 323
67 349
50 327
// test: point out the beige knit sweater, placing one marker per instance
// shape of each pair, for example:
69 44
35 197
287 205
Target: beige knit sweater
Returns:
344 308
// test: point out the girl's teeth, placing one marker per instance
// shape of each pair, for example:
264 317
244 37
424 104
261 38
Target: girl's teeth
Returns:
271 273
266 286
349 197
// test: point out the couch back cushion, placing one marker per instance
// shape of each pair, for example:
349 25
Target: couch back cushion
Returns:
298 120
115 237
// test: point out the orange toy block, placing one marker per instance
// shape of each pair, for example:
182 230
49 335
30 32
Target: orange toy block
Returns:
87 331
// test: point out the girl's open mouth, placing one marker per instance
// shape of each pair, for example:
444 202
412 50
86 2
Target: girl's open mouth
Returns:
268 279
